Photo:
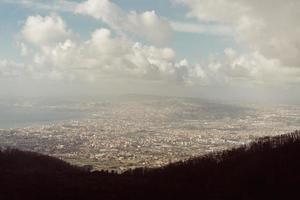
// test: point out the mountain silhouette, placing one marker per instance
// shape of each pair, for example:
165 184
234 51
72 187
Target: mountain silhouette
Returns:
268 168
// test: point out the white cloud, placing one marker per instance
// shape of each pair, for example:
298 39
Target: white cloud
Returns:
211 29
147 24
270 27
9 69
251 68
40 30
54 54
53 5
105 56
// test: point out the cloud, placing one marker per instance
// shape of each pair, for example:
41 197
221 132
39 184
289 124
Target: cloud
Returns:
210 29
147 24
53 5
105 56
9 69
55 54
249 68
40 30
270 27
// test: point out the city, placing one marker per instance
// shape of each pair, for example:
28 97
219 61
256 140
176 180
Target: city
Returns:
151 131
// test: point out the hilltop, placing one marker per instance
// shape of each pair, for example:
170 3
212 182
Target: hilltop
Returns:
268 168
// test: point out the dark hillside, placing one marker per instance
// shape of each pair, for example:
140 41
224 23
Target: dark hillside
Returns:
266 169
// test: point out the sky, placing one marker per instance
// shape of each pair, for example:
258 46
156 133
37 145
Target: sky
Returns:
220 49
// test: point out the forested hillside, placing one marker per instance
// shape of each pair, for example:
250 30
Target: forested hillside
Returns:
265 169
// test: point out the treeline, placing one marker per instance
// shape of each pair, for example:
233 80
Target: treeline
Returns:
268 168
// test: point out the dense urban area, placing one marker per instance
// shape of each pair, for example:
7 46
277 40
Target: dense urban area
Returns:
137 131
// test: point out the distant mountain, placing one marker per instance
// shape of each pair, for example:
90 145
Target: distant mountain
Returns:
269 168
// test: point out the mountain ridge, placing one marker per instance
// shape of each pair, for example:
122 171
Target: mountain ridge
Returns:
268 168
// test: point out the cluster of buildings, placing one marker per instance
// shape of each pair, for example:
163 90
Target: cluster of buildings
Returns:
130 135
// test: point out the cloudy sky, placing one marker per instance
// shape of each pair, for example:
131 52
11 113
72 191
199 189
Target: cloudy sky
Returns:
225 49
